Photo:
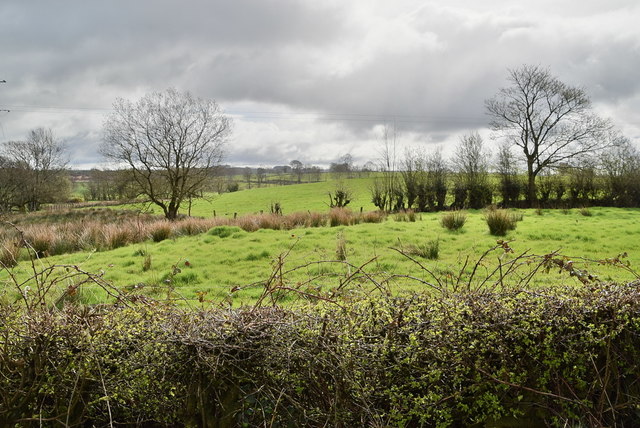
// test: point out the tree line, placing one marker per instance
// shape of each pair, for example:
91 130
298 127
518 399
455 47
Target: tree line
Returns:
472 178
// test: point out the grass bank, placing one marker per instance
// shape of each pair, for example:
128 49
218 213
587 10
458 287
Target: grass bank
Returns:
229 258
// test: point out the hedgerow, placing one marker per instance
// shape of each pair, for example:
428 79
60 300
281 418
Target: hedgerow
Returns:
471 355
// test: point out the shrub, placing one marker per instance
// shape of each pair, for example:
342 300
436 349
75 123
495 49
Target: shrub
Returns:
453 220
500 221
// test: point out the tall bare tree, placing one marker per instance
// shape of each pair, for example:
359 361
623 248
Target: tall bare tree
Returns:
40 162
550 121
170 141
386 191
471 164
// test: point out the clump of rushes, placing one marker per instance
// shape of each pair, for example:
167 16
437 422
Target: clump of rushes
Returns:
160 231
429 250
453 220
340 217
586 212
9 254
500 221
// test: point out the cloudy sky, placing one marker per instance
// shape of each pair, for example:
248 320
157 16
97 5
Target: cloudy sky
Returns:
307 79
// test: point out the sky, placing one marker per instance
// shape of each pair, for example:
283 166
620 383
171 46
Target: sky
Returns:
305 79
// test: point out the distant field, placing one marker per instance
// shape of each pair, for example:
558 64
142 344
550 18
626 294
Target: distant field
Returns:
292 198
215 263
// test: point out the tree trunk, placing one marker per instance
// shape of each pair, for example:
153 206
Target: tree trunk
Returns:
171 212
531 189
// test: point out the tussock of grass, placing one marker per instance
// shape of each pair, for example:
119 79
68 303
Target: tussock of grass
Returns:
224 231
10 254
406 215
586 212
453 220
160 231
429 250
374 217
500 221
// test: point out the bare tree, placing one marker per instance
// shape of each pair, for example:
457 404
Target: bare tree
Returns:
621 168
549 121
437 170
471 164
509 184
10 183
344 166
40 162
171 142
413 175
386 191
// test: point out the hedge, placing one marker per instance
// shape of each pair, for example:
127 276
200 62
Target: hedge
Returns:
563 356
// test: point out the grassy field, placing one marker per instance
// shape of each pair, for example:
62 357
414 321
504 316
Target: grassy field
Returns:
225 258
292 198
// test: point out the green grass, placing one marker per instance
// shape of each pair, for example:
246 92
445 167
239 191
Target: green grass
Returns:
224 258
292 198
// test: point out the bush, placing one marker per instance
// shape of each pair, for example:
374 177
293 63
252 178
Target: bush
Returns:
453 220
500 221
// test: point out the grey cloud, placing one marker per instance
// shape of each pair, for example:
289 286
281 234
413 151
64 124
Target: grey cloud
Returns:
427 66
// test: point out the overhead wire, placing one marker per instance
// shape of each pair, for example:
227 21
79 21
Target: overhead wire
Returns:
266 115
